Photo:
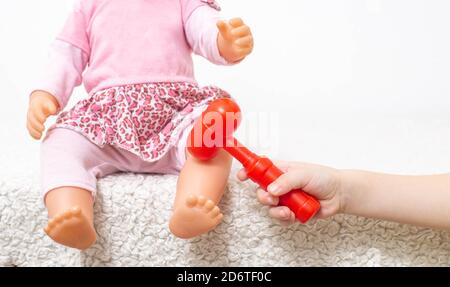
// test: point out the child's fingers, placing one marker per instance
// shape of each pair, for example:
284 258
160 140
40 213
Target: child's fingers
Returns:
282 213
242 175
295 179
290 221
321 214
283 165
266 198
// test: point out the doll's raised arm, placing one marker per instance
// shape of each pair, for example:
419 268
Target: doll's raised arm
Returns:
221 42
201 30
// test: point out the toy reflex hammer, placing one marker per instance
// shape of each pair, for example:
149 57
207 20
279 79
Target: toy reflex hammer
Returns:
214 130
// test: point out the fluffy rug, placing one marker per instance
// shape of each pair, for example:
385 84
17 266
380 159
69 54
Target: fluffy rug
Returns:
132 212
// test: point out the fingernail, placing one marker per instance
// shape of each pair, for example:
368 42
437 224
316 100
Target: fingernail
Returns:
274 189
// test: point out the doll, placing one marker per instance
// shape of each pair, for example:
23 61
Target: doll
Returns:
134 59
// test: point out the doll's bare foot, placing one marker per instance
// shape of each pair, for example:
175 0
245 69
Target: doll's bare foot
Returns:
71 228
197 216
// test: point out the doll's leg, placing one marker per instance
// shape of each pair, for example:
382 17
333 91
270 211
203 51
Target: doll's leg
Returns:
199 190
70 166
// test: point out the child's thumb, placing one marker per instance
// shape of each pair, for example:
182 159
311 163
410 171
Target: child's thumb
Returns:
287 182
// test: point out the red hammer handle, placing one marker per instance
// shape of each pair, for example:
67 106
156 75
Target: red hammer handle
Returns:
262 171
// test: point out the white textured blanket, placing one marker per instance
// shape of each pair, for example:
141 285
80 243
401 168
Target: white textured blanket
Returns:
132 212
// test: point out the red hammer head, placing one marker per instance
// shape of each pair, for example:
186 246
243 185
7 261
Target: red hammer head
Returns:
217 124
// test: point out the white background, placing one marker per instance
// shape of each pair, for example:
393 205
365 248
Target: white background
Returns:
353 84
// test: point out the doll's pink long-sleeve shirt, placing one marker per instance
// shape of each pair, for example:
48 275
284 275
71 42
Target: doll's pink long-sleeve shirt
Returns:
107 43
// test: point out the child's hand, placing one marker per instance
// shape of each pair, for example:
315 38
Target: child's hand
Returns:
235 40
321 182
42 105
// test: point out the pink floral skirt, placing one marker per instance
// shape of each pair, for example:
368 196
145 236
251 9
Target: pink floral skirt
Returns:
144 119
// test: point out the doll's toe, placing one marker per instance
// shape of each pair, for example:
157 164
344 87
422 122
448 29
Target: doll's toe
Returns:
209 205
76 210
215 212
201 200
191 201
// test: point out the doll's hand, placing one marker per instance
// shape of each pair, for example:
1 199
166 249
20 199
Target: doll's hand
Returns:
42 105
321 182
235 40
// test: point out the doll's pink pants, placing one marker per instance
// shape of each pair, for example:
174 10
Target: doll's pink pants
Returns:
69 159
